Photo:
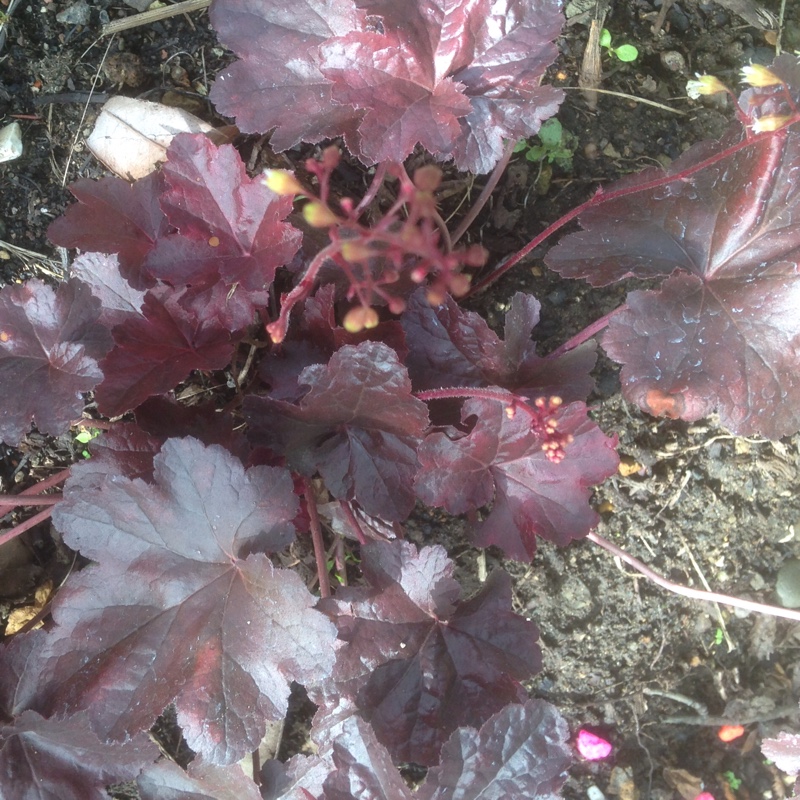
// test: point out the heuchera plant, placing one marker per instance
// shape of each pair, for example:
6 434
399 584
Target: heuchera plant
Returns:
353 387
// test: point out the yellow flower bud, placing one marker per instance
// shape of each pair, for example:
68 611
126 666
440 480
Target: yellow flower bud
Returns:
282 182
704 85
773 122
759 76
359 318
355 251
319 215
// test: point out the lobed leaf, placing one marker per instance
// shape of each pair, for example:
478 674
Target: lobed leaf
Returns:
501 460
358 425
450 347
50 345
419 662
183 605
62 759
722 332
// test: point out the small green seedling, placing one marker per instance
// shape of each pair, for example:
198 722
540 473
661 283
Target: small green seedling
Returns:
555 145
625 52
718 636
85 436
732 780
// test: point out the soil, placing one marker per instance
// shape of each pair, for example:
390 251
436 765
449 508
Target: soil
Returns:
654 673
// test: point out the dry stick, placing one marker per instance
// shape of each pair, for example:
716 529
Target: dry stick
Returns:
316 538
626 96
491 185
685 591
146 17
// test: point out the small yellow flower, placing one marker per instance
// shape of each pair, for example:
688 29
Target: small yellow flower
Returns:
282 182
705 85
359 318
774 122
759 76
319 215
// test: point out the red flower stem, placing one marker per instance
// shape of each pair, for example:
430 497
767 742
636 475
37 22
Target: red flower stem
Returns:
351 518
25 526
14 500
603 197
486 192
316 538
46 483
458 393
685 591
277 330
587 333
374 187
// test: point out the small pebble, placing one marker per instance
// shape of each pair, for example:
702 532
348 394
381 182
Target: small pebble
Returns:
10 142
673 61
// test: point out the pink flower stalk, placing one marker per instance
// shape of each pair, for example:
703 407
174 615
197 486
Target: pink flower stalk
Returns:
593 748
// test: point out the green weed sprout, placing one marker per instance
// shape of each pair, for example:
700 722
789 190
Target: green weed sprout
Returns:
85 436
555 145
625 52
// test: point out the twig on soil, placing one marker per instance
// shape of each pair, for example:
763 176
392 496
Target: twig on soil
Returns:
157 14
686 591
699 707
787 710
629 97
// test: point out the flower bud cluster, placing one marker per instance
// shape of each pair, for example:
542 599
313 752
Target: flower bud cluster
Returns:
545 424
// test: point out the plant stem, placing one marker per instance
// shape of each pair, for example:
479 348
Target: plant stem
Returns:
486 192
14 500
686 591
25 526
603 197
316 538
587 333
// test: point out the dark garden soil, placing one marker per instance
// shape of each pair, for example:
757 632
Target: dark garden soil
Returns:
654 673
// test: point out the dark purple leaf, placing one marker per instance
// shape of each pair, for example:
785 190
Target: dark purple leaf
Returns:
50 759
502 459
278 83
183 605
114 216
358 425
364 768
450 347
459 78
20 673
167 781
157 349
50 343
521 751
228 224
101 273
723 332
418 661
300 774
124 450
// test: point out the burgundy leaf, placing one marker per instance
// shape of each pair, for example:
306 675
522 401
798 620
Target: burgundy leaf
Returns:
227 223
723 333
364 768
167 781
101 273
418 661
278 83
114 216
156 350
521 751
300 774
20 673
784 750
459 77
50 343
503 458
49 759
406 101
358 425
124 450
183 605
450 347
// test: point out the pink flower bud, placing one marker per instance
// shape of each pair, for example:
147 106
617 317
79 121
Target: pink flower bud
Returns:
592 747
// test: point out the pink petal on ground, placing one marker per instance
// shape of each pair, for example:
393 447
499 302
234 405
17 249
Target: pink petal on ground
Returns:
705 796
592 747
